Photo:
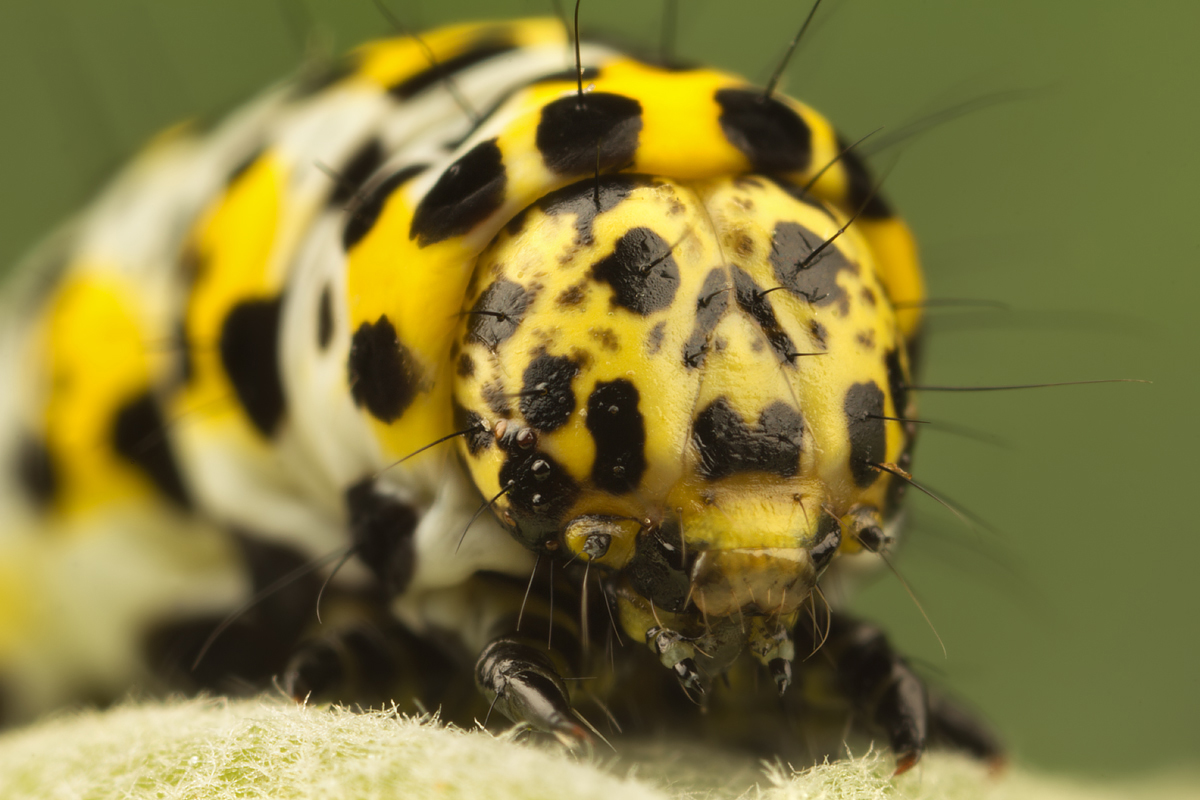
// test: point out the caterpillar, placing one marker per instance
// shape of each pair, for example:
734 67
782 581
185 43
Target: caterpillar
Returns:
547 380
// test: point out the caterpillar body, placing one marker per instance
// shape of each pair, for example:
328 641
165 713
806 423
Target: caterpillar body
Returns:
591 373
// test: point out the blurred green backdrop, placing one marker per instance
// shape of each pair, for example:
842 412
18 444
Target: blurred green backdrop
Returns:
1075 629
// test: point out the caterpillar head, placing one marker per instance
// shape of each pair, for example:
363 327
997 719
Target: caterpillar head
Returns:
694 387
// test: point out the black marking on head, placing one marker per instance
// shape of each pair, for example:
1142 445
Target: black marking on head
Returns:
497 399
897 382
384 376
659 570
654 339
579 134
382 527
540 491
35 471
362 217
547 398
361 166
254 647
498 313
771 135
868 437
249 347
641 271
480 438
324 318
819 334
581 200
826 542
468 192
861 191
791 245
758 305
866 338
466 366
489 46
571 296
619 433
139 434
728 446
710 307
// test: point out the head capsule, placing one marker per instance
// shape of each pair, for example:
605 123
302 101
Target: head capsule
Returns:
692 385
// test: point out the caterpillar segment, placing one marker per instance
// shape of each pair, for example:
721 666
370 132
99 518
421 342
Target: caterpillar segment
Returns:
668 319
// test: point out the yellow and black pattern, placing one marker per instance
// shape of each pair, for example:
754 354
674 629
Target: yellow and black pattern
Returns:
664 313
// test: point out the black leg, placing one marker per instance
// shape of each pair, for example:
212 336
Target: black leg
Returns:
954 728
521 681
877 681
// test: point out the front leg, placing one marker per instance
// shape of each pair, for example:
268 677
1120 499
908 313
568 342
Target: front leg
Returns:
877 681
522 683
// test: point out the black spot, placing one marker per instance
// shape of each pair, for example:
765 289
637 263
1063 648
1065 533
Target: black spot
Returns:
868 437
324 318
466 366
758 305
361 166
497 399
861 191
540 491
480 437
139 434
816 281
819 334
710 307
582 200
619 433
767 132
641 271
468 192
255 646
487 47
659 570
382 527
363 215
728 446
571 296
827 541
497 313
249 347
598 131
35 471
654 339
384 376
547 398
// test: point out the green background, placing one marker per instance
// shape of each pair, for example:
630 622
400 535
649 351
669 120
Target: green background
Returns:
1075 627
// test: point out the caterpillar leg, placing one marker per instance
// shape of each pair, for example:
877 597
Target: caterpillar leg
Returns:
521 681
953 727
878 682
368 662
